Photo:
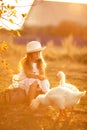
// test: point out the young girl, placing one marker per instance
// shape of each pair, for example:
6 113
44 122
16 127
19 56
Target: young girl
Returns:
32 76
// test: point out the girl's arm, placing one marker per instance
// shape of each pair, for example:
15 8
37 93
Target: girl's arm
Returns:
40 76
36 76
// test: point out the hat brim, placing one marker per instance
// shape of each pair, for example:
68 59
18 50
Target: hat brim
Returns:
35 50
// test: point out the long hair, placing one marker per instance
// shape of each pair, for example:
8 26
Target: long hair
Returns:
26 64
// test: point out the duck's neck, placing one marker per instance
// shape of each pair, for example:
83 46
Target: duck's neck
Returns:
62 81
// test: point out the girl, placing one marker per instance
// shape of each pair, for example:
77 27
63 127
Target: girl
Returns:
32 75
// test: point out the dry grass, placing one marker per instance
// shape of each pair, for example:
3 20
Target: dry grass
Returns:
68 58
67 51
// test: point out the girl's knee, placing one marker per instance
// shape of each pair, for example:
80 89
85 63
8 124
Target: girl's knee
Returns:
36 82
34 85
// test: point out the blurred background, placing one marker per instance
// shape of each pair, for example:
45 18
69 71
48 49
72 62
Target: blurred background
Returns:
62 27
51 20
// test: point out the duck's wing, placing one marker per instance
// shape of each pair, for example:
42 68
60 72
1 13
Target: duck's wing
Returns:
72 87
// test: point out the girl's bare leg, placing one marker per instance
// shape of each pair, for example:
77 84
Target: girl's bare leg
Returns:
32 91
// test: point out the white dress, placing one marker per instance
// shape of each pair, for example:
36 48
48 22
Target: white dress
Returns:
20 80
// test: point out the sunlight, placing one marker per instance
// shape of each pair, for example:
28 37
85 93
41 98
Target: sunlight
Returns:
15 22
76 9
71 1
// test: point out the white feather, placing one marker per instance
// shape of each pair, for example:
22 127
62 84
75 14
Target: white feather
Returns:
64 84
58 96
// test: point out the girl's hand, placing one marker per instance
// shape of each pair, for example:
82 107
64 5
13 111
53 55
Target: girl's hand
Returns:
36 76
41 77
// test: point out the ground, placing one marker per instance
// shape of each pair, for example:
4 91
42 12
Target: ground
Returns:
21 117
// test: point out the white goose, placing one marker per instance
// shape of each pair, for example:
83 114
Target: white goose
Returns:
60 97
62 77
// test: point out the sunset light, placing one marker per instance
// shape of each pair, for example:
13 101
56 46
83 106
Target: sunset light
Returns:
16 20
13 19
71 1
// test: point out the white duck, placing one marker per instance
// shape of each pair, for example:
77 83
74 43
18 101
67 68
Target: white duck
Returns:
62 77
60 97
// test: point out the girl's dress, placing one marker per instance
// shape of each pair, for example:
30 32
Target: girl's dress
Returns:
20 80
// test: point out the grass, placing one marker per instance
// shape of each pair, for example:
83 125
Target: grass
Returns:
74 64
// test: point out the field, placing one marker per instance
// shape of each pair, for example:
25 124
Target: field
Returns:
68 58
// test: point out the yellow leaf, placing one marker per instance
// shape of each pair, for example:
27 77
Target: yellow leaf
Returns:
0 27
0 12
24 15
12 7
18 33
11 21
8 6
14 12
4 46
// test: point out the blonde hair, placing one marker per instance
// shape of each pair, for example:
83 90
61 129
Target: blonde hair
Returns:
26 64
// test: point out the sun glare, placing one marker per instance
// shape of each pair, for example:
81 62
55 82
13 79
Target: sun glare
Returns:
71 1
76 9
13 22
16 22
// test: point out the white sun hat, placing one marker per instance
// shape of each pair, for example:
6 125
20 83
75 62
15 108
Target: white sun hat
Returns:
34 46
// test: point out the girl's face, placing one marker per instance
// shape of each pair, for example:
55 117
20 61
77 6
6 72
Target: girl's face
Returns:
35 56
